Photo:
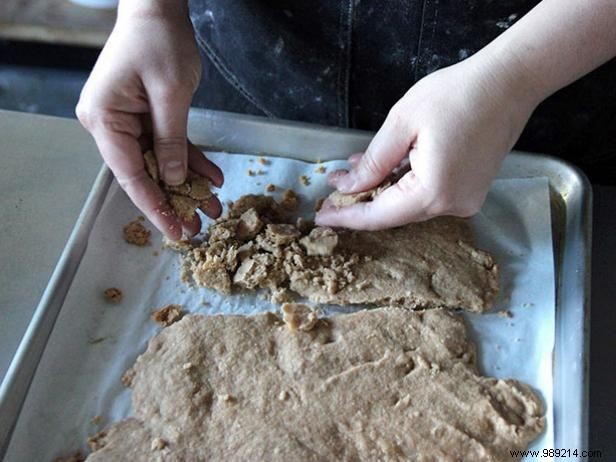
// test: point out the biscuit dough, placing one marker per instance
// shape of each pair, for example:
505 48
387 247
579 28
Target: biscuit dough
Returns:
191 195
384 384
420 265
137 234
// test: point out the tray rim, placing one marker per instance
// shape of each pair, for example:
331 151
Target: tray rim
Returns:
572 199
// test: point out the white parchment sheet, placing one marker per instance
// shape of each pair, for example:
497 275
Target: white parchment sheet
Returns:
94 342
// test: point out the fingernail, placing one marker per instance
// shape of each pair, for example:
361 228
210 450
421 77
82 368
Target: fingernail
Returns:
174 173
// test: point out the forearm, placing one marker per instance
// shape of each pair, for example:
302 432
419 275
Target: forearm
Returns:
556 43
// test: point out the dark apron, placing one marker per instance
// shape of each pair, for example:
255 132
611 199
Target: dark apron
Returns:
346 62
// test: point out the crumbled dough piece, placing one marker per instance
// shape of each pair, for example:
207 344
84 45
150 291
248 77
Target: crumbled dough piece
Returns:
261 172
158 444
282 234
340 200
505 314
263 161
256 247
305 180
167 315
382 384
96 420
320 241
270 187
299 316
289 200
250 172
113 295
185 198
77 456
137 234
249 225
320 169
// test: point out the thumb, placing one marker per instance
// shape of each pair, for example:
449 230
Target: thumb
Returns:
169 127
388 147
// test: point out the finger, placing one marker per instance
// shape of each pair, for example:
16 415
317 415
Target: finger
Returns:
214 208
122 153
404 202
354 159
169 122
388 147
192 227
333 177
203 166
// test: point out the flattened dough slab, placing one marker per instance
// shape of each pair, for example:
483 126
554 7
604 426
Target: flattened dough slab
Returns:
385 384
421 265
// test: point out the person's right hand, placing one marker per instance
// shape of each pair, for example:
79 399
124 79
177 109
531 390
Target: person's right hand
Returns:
137 98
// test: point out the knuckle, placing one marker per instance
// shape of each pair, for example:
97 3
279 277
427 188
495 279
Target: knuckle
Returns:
84 114
169 143
129 182
397 115
370 165
468 209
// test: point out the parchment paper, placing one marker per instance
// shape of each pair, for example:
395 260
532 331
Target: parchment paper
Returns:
94 342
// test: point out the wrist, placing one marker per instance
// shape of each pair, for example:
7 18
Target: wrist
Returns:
509 76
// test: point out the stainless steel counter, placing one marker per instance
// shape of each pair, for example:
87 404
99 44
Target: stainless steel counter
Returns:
47 166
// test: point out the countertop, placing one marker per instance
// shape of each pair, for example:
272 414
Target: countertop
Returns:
44 181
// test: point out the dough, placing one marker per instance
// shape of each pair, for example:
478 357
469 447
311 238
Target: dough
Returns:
385 384
137 234
422 265
167 315
191 195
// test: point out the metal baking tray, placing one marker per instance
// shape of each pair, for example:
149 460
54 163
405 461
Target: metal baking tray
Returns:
571 225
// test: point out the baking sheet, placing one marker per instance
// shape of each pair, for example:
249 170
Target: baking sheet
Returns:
94 342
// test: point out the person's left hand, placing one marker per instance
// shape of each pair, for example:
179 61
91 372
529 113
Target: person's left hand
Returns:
456 126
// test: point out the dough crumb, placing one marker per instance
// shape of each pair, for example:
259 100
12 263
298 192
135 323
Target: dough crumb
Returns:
320 169
167 315
321 241
263 161
299 316
289 200
270 187
318 204
158 444
340 200
137 234
250 172
96 420
505 314
113 295
283 395
305 180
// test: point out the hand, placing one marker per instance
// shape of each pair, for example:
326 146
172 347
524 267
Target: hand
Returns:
456 126
137 98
